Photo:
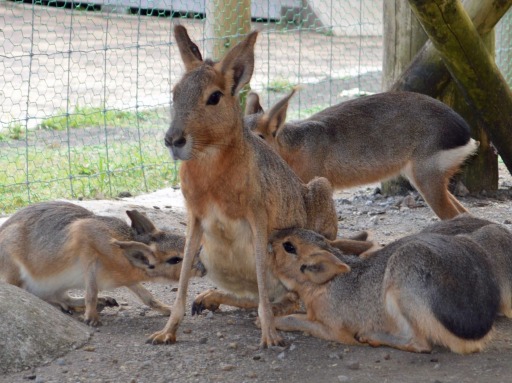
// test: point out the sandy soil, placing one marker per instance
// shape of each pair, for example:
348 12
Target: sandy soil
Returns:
223 346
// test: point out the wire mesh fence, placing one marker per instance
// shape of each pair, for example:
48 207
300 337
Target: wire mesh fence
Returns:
504 46
85 89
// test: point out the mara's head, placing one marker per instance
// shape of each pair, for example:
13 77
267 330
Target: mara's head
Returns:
266 124
206 109
300 256
158 253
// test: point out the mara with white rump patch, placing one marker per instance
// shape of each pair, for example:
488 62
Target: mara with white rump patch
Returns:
52 247
443 286
372 138
237 189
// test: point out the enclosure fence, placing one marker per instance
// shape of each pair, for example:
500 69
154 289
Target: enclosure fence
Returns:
85 87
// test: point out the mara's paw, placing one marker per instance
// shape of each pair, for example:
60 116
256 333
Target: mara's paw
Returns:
205 301
93 321
288 305
106 302
161 337
365 339
271 338
66 309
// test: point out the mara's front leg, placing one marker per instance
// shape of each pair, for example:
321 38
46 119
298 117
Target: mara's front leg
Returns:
300 322
269 335
212 299
168 333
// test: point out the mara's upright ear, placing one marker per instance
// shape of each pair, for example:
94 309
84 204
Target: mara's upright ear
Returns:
139 254
140 223
252 104
188 50
276 116
321 267
238 64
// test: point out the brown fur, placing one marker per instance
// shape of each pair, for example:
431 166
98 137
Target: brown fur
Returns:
52 247
370 139
237 190
443 286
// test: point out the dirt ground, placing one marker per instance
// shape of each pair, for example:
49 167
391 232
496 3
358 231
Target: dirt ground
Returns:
223 346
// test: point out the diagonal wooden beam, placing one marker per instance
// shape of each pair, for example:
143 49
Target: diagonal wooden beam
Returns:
471 66
427 73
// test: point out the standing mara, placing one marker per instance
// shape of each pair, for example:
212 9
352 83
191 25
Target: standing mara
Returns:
372 138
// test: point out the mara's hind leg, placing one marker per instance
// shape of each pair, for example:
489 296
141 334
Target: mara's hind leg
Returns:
460 208
399 332
376 339
9 271
70 304
506 302
432 184
149 300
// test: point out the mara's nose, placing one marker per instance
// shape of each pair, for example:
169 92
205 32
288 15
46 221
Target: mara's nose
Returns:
177 142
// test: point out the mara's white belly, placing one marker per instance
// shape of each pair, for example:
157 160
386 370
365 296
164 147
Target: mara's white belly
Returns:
229 257
53 286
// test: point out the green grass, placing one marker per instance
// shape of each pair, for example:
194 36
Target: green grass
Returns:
305 113
46 172
280 86
83 117
14 131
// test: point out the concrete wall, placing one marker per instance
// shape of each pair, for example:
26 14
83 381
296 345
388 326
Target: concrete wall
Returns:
259 8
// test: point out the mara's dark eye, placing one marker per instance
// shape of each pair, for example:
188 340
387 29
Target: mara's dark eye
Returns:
289 248
261 136
174 260
214 98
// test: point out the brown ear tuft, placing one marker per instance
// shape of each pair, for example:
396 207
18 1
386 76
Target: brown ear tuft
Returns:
252 104
140 223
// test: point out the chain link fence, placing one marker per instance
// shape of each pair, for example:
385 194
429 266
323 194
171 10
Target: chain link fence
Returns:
85 90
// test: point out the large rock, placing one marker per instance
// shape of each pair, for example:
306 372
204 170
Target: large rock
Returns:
32 332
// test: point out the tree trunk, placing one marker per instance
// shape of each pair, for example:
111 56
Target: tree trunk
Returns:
472 67
481 171
403 38
226 23
427 74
